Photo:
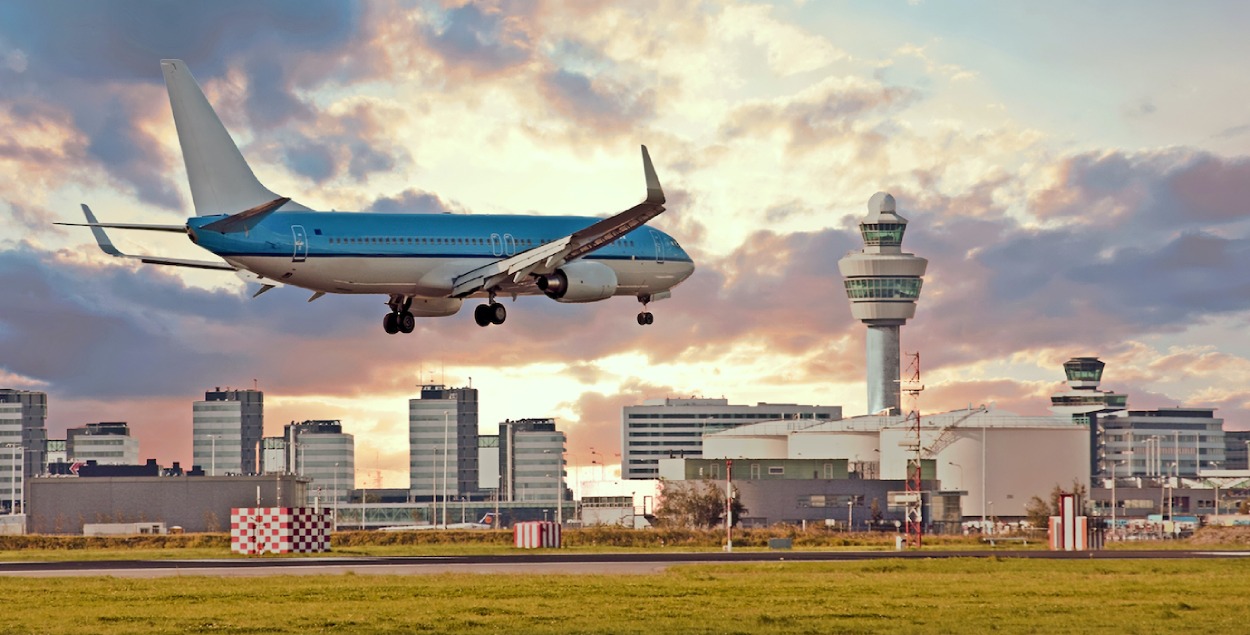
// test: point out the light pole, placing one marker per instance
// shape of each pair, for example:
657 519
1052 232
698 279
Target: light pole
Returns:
444 469
961 472
335 515
212 462
850 514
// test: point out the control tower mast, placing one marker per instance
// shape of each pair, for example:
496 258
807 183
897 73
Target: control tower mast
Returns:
883 284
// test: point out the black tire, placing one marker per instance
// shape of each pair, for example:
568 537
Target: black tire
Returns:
650 318
642 319
481 315
407 323
497 313
390 323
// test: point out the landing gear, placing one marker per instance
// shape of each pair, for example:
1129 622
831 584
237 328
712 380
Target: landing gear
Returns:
492 313
645 318
400 319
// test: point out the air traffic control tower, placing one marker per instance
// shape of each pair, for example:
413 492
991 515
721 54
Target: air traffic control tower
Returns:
883 284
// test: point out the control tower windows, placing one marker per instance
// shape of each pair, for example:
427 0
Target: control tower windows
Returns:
883 288
883 234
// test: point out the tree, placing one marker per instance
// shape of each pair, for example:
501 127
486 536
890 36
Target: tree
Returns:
1040 511
695 504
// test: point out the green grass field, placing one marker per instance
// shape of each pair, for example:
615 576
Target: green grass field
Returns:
893 596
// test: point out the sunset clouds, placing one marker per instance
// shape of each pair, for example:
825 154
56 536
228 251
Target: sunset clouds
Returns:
1068 206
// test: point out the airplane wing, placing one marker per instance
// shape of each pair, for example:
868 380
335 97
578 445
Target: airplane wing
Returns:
106 245
547 258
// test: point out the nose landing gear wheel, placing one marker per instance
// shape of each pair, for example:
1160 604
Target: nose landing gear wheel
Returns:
645 318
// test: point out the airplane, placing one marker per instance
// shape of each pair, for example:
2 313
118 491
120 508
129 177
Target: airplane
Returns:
485 522
426 264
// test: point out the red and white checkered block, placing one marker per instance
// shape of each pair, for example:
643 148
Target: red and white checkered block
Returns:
536 534
257 530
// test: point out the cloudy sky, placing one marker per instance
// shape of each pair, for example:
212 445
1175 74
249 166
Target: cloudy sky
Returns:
1075 172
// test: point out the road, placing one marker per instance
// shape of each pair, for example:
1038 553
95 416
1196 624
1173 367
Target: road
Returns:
530 562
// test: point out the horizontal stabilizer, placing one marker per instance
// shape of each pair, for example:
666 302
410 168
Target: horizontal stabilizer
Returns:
176 229
247 219
106 245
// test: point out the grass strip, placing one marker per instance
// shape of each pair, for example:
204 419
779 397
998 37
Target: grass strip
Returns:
895 596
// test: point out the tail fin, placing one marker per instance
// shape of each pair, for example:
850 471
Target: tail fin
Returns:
221 181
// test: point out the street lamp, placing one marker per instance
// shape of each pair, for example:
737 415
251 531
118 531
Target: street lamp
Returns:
212 463
559 484
850 514
961 472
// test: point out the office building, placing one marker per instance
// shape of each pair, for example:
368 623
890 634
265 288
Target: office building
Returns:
664 428
442 443
1161 443
883 285
1237 449
23 442
226 429
106 443
320 450
531 461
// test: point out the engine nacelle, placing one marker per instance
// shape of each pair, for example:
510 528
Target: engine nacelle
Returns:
579 281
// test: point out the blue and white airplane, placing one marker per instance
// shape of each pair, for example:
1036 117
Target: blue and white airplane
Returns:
426 264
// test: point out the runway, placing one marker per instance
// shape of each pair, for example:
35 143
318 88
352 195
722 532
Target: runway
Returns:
547 562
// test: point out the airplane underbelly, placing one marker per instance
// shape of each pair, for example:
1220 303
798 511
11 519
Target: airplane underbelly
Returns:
345 275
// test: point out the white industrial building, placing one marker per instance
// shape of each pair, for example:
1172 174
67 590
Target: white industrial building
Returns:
106 443
1000 459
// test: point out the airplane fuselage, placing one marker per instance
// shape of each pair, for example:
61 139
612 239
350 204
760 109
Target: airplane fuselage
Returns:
420 254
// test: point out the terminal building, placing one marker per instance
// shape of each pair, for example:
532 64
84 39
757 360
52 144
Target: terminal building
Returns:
106 443
663 428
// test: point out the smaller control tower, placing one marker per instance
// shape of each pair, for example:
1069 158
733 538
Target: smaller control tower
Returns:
883 284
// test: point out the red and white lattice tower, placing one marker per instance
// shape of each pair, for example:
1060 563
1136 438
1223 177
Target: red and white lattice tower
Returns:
915 498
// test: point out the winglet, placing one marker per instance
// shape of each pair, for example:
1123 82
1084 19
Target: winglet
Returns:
655 195
101 238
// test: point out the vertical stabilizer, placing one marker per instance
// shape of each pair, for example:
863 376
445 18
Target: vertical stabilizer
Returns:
221 181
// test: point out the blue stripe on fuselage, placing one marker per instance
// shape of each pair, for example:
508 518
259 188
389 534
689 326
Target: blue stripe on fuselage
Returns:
372 235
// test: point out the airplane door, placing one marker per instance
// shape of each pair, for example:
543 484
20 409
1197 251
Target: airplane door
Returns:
659 247
300 239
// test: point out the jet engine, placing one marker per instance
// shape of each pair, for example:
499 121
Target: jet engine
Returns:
579 281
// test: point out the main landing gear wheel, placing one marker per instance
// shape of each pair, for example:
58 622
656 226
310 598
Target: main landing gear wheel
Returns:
645 318
390 323
487 314
400 319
